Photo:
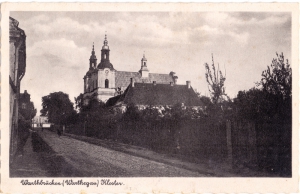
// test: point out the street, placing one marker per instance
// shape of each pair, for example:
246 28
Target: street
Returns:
96 161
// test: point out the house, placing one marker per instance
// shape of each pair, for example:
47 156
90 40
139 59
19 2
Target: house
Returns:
156 95
41 121
17 67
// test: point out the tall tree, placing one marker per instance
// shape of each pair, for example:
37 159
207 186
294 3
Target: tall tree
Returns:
215 80
277 79
271 100
58 108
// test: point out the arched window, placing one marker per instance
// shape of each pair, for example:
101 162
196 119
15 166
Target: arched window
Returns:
106 83
104 56
144 63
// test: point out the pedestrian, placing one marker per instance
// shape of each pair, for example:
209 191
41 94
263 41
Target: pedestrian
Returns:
58 132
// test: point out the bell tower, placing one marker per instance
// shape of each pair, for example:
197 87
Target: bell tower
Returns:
93 59
144 70
106 74
105 50
105 63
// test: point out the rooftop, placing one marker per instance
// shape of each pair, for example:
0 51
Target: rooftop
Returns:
157 94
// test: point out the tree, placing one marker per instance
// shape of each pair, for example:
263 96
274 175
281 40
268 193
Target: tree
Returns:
58 108
79 102
215 80
271 100
255 105
277 79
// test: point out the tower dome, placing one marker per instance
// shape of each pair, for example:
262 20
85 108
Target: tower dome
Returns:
93 59
105 63
93 56
105 42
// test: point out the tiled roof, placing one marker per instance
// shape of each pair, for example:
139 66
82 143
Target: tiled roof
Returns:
123 78
159 94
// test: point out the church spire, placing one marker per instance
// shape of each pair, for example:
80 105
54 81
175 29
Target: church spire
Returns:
144 70
93 51
105 63
93 59
144 61
105 43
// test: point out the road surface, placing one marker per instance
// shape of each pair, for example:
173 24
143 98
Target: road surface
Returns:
95 161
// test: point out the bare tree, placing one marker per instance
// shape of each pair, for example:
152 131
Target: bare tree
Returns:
215 80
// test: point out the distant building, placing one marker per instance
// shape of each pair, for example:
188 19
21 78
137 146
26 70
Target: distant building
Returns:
26 107
24 100
17 62
40 121
154 94
103 81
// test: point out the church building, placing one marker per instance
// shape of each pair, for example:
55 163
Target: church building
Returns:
104 81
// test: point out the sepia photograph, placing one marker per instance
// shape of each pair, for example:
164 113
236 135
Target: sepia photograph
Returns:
98 97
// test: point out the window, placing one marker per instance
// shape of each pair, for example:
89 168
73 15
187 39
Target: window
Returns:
104 56
106 83
144 63
23 105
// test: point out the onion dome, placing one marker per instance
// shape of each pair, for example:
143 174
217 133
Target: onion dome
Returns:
105 46
105 63
93 56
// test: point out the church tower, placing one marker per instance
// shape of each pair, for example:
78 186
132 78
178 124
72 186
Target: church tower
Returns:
106 74
105 63
144 70
93 59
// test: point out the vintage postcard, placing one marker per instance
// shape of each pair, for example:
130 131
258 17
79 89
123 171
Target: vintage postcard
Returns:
149 97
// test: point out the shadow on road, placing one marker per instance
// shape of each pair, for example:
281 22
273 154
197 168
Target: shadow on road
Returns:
39 160
55 164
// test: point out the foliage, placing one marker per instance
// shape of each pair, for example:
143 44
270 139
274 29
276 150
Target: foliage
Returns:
254 105
215 80
79 103
277 79
58 108
271 102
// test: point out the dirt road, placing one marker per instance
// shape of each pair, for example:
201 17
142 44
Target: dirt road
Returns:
96 161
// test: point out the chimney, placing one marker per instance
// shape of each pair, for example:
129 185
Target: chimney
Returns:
25 91
132 82
171 83
154 83
188 83
175 79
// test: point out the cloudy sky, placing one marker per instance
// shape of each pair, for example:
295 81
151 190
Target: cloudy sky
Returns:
59 46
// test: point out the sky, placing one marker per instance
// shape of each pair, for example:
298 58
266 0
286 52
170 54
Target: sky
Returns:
59 44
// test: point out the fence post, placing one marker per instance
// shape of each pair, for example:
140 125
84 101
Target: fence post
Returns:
229 143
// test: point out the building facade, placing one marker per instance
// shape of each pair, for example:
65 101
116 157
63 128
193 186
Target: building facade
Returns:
104 81
17 62
41 121
26 108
